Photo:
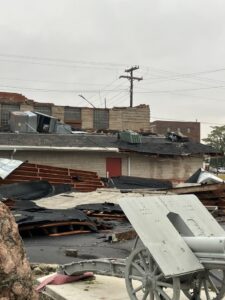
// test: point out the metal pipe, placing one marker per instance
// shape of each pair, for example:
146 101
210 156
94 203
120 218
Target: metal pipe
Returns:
206 244
128 166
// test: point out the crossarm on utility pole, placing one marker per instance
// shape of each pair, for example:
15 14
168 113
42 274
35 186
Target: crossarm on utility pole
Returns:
131 78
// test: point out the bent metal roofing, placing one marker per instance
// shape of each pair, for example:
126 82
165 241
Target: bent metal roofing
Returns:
151 145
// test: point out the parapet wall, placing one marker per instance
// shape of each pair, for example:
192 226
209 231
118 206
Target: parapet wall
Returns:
133 118
118 118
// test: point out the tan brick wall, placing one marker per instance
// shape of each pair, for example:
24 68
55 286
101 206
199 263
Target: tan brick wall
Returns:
87 118
137 118
58 112
26 107
132 118
115 119
141 166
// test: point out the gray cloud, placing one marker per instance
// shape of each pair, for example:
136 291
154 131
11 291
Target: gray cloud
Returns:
164 37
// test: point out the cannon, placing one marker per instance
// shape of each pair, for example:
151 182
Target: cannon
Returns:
180 247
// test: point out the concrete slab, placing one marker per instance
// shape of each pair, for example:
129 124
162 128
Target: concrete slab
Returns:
70 200
102 288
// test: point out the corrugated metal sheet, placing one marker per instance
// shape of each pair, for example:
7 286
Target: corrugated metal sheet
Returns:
130 137
7 166
101 118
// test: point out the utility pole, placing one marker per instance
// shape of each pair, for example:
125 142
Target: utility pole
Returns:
131 78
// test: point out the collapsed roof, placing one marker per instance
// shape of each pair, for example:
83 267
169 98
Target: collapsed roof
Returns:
152 145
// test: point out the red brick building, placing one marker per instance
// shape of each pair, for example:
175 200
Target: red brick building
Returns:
190 129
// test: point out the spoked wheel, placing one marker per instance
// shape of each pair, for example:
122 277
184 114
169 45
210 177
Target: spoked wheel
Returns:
209 285
144 279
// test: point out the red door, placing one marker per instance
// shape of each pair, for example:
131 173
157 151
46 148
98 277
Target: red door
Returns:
113 167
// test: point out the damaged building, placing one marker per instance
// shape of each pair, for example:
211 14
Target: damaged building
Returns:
190 129
85 118
109 155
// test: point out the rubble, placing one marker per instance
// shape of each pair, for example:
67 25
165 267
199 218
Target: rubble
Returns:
84 181
131 182
122 236
43 269
204 177
32 190
208 194
71 252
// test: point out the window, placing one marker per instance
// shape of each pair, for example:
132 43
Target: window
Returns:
101 118
72 114
5 113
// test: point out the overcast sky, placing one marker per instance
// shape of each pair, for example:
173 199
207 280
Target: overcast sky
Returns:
54 50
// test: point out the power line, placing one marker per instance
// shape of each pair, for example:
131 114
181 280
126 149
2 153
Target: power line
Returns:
175 76
56 61
118 100
182 90
183 77
177 120
97 63
112 99
54 90
84 64
71 66
104 88
52 81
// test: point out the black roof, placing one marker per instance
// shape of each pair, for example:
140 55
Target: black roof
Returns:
150 144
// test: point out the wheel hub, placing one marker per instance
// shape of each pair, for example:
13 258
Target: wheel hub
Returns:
149 281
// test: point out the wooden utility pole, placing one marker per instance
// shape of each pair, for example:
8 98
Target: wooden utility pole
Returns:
131 78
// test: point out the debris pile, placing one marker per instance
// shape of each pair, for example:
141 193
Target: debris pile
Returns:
83 181
131 182
34 220
211 195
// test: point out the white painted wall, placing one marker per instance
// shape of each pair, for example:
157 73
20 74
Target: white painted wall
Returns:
173 168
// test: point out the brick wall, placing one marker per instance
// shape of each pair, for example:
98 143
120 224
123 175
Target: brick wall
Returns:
58 112
26 107
6 97
121 118
87 118
115 119
133 118
190 129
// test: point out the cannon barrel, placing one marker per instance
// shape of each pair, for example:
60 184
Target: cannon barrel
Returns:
211 244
